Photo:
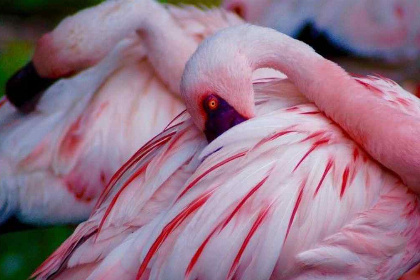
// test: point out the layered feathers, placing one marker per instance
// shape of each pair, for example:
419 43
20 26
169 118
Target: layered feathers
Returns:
55 162
292 197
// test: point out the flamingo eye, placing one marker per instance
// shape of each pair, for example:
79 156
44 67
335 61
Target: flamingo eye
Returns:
211 103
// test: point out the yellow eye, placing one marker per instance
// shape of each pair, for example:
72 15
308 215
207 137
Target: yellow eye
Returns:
212 103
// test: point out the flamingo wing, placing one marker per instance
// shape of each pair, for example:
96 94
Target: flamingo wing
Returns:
284 194
300 199
142 188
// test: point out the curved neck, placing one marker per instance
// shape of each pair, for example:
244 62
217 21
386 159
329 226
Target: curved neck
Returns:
168 46
82 40
386 132
316 77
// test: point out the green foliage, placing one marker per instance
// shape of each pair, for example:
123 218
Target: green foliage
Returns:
63 7
22 252
14 55
51 8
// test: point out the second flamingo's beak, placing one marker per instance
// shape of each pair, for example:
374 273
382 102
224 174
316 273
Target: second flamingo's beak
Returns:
25 88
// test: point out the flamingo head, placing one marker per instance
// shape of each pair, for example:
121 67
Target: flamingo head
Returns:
250 10
218 93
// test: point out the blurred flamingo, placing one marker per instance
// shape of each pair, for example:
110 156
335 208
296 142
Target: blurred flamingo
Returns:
55 161
386 29
281 192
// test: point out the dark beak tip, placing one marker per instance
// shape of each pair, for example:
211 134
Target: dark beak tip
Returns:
24 89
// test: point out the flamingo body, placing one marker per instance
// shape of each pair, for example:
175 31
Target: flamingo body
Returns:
55 161
293 197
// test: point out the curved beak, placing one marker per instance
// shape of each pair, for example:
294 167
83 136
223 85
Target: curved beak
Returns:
25 88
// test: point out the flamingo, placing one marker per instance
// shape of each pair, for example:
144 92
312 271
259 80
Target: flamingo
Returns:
55 161
385 29
282 191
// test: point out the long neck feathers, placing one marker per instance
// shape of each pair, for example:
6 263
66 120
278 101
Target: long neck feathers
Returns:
83 39
386 133
168 46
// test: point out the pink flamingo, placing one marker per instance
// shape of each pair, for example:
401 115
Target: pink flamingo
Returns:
387 29
286 194
55 162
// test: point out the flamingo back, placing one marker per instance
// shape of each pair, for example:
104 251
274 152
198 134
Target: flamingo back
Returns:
284 195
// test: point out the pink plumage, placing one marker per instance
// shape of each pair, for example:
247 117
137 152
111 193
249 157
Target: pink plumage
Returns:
55 162
285 195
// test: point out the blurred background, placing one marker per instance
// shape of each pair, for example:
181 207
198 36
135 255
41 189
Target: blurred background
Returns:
21 24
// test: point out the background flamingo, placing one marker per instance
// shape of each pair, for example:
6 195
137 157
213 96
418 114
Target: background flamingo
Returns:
55 162
286 194
387 29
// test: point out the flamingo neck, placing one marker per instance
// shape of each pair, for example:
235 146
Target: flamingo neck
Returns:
387 134
168 46
84 39
317 78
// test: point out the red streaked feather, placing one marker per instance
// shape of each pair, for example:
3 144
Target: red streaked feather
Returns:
378 76
314 146
197 254
222 225
72 139
148 147
101 109
176 139
273 137
249 194
355 154
211 169
292 109
295 208
3 101
411 207
117 195
313 135
327 169
370 87
175 119
345 179
403 102
169 228
261 217
310 113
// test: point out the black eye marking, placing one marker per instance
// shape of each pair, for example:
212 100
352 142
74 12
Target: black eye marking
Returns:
220 116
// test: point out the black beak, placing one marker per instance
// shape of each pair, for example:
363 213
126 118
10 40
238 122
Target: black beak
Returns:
25 88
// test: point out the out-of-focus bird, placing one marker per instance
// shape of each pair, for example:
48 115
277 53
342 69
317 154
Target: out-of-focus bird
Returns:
386 29
55 161
281 192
